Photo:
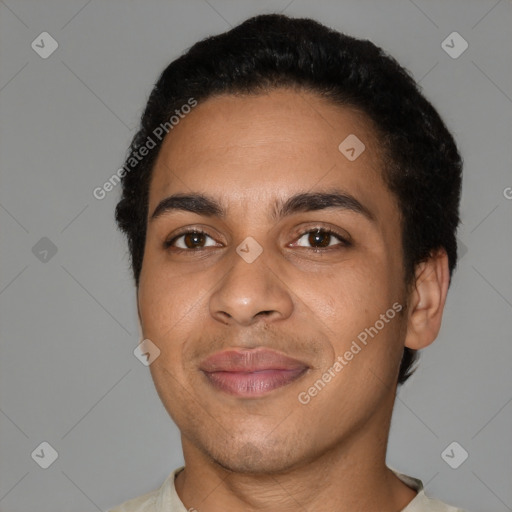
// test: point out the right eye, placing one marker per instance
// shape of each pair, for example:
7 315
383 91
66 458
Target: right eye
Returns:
189 241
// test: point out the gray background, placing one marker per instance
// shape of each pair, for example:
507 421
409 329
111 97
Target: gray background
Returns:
69 325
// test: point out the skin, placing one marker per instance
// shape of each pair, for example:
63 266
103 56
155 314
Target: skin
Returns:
274 453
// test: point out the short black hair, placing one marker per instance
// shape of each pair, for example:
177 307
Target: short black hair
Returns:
422 166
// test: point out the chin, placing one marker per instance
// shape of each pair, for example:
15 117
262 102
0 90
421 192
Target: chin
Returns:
254 459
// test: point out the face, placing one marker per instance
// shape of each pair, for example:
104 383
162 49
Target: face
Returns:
275 297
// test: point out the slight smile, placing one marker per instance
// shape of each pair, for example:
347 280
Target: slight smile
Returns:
251 373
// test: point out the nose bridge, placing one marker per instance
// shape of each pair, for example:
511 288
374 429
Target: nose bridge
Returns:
250 288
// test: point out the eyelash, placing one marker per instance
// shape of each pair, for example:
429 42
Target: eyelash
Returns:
344 242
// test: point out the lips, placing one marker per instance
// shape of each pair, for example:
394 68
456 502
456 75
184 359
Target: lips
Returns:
251 373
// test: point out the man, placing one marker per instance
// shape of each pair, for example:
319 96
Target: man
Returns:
290 202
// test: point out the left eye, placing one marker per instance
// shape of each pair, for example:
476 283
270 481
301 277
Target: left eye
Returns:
320 238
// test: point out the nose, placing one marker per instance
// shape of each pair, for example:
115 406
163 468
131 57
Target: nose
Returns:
251 292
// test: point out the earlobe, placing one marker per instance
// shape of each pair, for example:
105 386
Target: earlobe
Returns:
427 300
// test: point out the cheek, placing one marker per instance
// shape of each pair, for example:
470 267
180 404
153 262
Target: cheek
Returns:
353 292
166 300
351 304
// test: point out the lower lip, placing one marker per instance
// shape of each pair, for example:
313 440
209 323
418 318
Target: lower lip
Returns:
253 384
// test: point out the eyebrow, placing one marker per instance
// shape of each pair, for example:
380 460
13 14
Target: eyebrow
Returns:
302 202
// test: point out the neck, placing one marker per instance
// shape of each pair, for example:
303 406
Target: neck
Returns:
352 475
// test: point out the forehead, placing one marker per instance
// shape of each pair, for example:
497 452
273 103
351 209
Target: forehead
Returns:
248 150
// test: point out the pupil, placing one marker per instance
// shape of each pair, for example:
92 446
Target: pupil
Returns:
319 238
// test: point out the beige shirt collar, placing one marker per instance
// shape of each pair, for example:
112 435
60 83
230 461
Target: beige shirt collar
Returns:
166 499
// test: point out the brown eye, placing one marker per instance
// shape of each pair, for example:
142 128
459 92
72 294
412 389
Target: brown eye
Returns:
320 239
190 240
193 240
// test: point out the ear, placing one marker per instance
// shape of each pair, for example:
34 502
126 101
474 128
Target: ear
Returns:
426 300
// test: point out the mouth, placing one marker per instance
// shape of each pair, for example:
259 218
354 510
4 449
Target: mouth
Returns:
251 373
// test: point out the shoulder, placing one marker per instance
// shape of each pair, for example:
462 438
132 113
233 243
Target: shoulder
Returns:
423 503
144 503
163 499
